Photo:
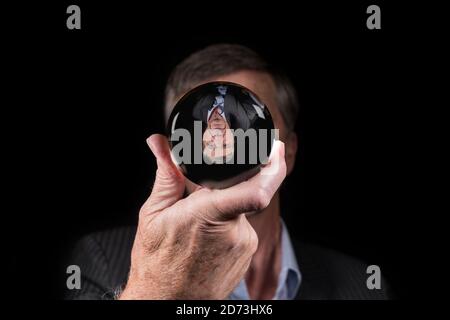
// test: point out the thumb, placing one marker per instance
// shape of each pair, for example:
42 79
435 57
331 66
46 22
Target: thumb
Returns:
169 181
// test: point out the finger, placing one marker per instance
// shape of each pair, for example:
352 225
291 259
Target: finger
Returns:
256 193
169 181
191 187
252 195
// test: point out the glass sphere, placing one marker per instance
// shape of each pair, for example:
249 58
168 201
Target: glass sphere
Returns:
220 133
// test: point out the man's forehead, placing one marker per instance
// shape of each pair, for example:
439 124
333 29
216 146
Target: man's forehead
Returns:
260 83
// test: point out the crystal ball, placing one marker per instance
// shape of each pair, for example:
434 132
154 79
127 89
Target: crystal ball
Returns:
220 134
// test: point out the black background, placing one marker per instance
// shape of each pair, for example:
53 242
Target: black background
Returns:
84 101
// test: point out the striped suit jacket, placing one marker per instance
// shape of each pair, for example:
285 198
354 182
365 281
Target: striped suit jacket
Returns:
104 260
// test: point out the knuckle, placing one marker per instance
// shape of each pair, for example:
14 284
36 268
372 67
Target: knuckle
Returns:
234 240
202 192
243 239
194 204
261 199
253 241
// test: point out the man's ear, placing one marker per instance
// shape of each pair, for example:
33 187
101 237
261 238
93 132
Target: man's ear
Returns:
291 146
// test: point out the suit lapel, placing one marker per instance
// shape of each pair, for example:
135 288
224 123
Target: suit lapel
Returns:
315 283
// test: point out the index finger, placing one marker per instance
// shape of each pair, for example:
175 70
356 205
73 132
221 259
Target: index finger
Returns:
253 194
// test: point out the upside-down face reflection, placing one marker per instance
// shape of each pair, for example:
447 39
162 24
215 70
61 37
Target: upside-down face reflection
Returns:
218 146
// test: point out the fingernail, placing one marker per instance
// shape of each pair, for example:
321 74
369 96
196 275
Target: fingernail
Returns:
151 145
149 142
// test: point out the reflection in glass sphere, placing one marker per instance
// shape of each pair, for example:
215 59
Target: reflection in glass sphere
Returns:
220 134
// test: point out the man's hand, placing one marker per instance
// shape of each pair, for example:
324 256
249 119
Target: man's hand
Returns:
198 247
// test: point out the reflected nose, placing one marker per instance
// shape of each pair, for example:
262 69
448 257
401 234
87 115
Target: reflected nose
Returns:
217 124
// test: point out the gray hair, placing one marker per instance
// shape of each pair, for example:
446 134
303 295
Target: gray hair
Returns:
223 59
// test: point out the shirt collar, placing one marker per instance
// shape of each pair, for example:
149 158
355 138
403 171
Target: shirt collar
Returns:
289 278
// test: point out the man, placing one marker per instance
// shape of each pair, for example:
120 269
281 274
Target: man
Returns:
226 105
218 139
219 244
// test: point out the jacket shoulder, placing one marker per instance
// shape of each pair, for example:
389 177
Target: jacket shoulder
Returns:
104 259
330 274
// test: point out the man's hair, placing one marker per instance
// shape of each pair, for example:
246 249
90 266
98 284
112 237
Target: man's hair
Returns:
223 59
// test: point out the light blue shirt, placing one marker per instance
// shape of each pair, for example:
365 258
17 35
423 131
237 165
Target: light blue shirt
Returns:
289 278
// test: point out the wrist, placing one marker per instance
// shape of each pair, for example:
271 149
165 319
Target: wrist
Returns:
136 289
